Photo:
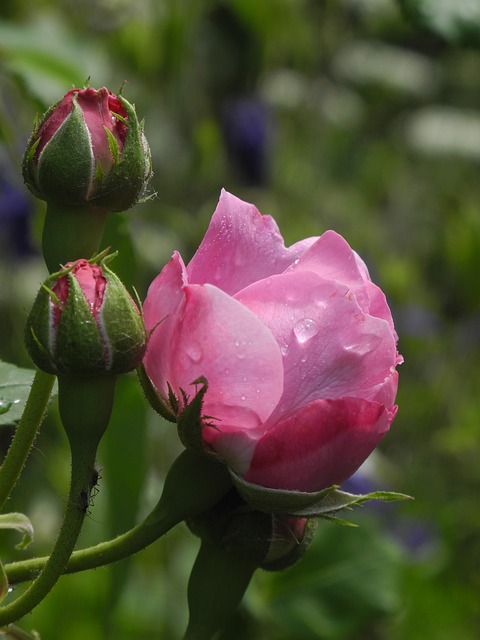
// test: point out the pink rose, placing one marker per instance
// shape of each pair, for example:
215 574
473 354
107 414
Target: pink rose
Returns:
297 345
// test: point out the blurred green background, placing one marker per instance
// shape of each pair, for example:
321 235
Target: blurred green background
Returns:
357 115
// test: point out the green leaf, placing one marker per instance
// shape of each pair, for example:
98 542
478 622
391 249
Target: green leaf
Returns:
19 522
15 386
12 632
457 21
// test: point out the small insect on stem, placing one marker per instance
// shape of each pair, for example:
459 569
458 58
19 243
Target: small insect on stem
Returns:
86 497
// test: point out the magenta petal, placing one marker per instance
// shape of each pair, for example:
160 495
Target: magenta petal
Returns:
323 444
331 349
97 115
240 247
218 338
332 258
162 306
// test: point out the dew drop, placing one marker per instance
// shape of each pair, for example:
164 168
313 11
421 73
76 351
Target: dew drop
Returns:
243 398
305 329
240 346
194 352
284 349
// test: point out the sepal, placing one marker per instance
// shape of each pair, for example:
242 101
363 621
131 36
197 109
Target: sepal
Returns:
321 504
84 322
153 396
190 419
269 541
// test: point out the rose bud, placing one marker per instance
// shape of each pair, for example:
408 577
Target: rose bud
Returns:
84 322
296 345
88 148
267 540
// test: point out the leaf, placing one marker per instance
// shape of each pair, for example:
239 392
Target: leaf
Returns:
15 386
457 21
19 522
12 632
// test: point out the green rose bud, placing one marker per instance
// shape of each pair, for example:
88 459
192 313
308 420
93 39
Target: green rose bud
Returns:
84 322
268 541
88 148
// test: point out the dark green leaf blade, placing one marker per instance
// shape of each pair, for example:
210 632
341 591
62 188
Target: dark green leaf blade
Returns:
15 386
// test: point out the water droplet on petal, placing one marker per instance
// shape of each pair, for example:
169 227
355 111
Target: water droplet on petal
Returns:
194 352
284 349
305 329
240 346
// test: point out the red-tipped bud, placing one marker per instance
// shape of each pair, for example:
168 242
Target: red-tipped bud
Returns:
85 322
88 148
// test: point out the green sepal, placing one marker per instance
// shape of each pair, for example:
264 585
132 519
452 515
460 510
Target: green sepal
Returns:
296 553
300 504
277 501
159 404
114 342
65 171
29 169
128 177
338 500
123 325
112 144
191 420
76 325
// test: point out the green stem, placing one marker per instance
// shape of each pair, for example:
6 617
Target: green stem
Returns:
216 587
71 233
193 484
85 407
101 554
83 460
25 433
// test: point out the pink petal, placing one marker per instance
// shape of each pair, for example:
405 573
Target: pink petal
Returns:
163 304
240 247
216 337
332 258
321 445
97 115
330 348
204 332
